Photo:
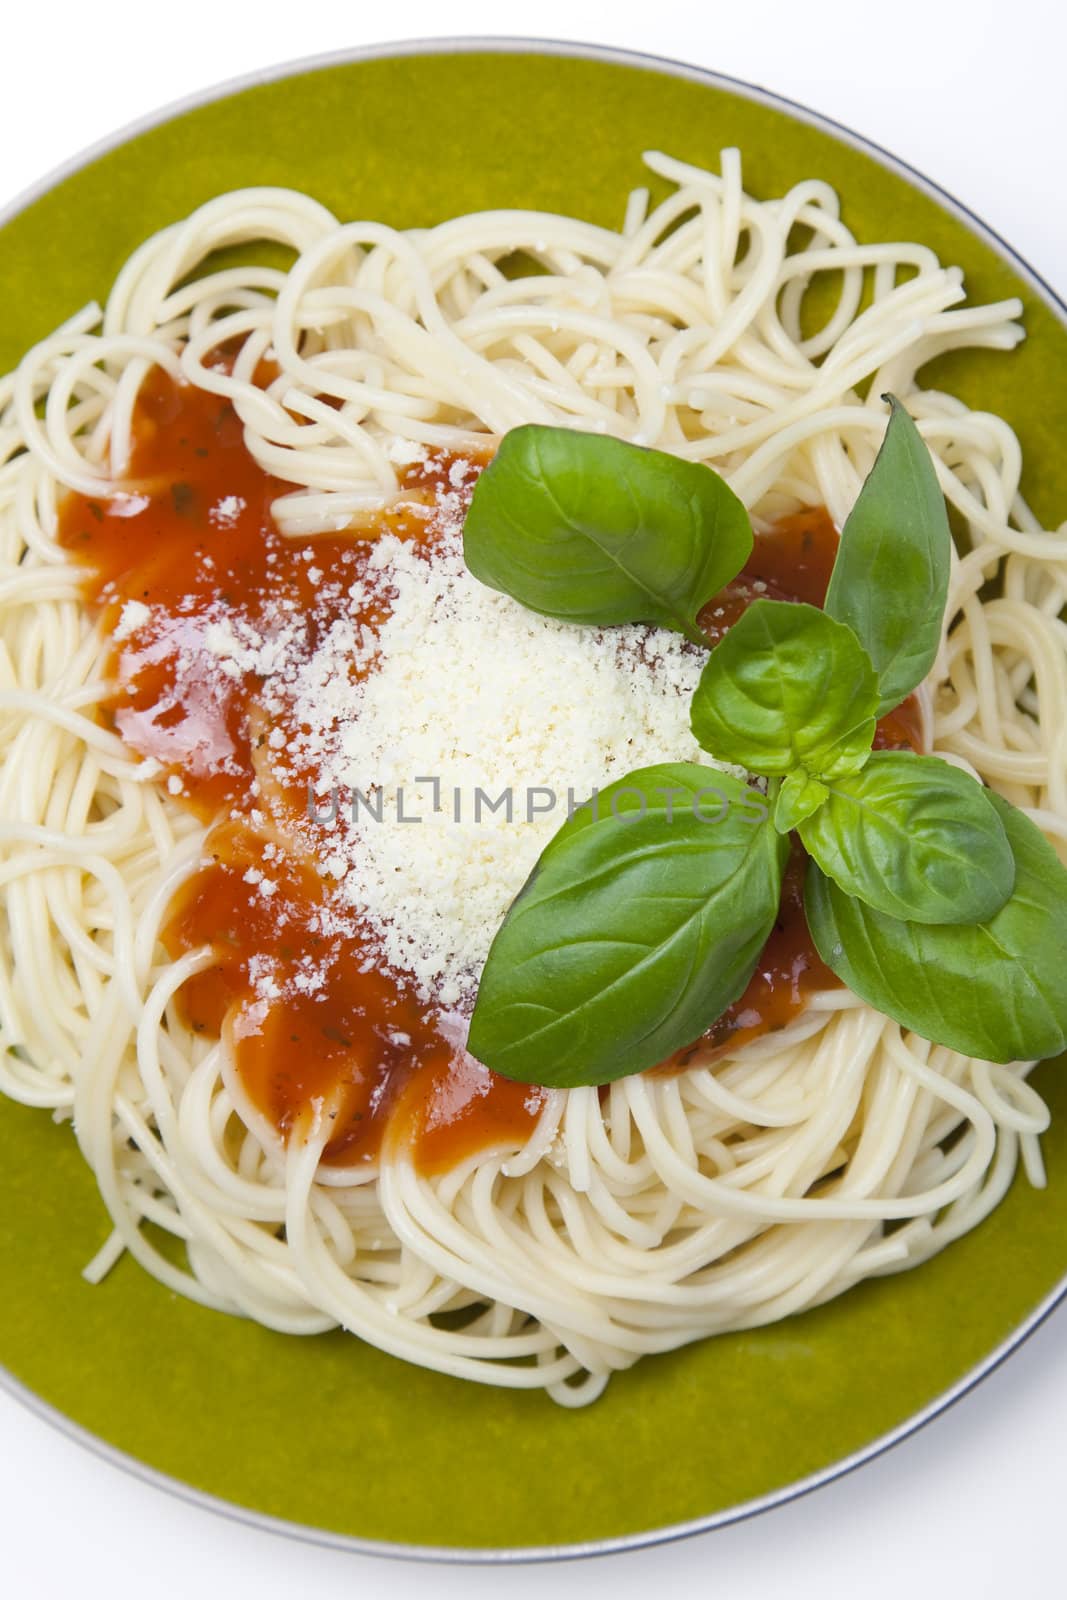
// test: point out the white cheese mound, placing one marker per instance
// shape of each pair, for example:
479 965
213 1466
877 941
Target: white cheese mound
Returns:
465 686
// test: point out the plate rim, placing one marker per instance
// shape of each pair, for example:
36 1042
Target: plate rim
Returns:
460 44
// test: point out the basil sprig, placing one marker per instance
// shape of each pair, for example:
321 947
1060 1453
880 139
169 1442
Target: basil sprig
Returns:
590 529
641 922
930 896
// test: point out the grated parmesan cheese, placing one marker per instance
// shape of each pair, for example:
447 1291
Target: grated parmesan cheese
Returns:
461 698
132 619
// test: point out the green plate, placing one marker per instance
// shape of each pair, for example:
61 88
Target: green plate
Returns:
324 1435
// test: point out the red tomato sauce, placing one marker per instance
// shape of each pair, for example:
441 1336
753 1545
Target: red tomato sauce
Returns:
191 536
314 1026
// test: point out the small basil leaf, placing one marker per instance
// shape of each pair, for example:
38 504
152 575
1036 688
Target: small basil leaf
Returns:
637 928
787 687
915 838
890 578
996 990
591 529
798 798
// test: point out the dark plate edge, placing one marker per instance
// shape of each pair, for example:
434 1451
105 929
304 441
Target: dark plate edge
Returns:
793 1491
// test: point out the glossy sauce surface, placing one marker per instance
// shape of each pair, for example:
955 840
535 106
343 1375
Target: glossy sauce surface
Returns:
314 1027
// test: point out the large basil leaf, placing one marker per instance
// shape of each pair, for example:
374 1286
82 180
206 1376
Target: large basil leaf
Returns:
637 928
890 578
591 529
915 838
997 990
787 687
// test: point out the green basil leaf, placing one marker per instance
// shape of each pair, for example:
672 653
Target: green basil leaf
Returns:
591 529
890 578
915 838
639 925
798 798
997 990
787 687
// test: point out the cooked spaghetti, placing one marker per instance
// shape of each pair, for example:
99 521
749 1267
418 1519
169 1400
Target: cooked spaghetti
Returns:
178 921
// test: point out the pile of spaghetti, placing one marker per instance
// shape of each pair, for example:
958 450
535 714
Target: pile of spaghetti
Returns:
177 921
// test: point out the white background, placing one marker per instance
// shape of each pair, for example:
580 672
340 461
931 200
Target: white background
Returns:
973 95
